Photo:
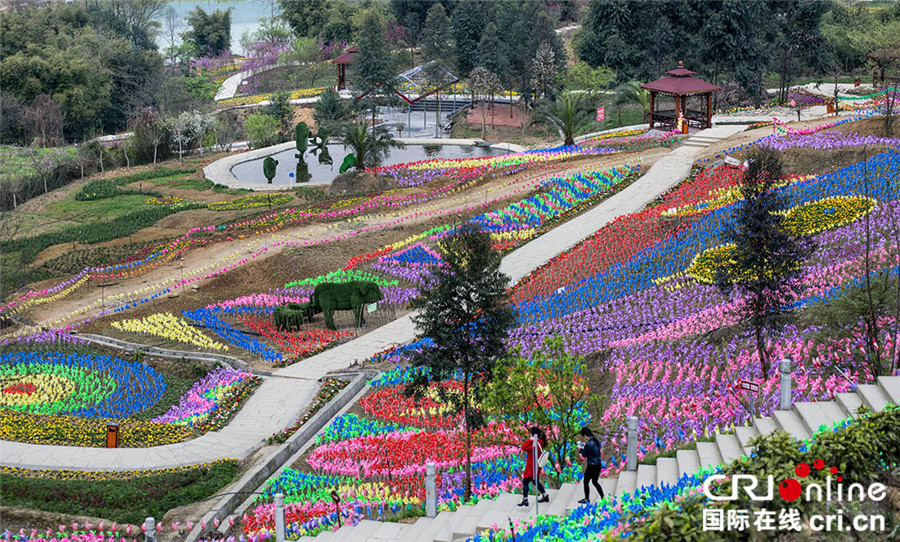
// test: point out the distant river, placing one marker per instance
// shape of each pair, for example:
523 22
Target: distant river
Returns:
245 15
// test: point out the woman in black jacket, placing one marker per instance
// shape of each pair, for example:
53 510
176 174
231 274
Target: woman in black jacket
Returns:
589 448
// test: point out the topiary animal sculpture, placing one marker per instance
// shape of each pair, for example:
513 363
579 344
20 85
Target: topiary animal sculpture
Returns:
349 162
329 297
290 316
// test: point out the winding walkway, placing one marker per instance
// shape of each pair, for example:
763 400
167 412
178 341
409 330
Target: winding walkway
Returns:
284 395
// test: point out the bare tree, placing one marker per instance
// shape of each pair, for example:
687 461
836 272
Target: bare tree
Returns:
44 121
485 84
544 72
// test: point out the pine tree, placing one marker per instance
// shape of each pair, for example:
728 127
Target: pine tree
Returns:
372 73
467 316
467 23
766 262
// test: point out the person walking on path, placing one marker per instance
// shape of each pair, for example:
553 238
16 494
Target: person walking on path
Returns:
528 476
589 448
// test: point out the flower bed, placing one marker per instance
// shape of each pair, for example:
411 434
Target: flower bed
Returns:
169 327
204 398
87 432
250 202
83 385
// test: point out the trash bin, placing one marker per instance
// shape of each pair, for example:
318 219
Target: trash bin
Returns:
112 435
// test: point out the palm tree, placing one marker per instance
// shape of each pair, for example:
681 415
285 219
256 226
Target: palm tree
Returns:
567 114
370 147
631 93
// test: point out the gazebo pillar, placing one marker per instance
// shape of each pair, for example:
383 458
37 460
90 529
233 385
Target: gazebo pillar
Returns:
652 107
709 110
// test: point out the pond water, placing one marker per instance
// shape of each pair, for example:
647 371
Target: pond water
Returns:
287 174
245 16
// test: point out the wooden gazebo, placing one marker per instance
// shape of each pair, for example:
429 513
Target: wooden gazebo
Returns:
681 86
342 62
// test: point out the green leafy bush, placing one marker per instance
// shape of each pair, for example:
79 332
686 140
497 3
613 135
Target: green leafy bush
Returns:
862 450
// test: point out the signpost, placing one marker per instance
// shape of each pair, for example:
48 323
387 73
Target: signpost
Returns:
753 388
601 114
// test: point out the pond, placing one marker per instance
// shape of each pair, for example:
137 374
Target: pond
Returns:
252 171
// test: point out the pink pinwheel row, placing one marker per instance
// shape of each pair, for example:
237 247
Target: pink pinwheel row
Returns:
263 300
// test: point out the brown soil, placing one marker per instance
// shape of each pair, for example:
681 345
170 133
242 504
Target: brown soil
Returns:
278 266
355 182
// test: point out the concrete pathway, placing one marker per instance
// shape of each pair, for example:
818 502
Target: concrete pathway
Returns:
283 397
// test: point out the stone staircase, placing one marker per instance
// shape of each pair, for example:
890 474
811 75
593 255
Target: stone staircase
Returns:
705 138
801 421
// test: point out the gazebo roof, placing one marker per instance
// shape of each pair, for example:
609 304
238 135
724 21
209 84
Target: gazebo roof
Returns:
347 57
680 82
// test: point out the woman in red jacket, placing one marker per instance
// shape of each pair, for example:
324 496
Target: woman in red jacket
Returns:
528 474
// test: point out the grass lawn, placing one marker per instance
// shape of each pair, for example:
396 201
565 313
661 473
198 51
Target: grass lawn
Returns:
81 211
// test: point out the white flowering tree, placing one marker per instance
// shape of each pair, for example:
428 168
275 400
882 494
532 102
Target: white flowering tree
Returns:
188 130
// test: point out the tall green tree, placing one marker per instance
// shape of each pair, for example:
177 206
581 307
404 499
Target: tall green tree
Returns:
568 114
329 110
766 260
209 33
437 51
491 52
798 37
372 73
467 23
467 316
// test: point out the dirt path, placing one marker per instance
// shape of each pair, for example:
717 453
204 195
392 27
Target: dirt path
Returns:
198 262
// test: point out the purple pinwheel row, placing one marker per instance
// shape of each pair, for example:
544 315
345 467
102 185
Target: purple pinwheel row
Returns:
203 397
826 141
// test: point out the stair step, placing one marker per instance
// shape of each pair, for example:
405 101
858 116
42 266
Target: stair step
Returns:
437 525
765 426
873 396
646 476
361 532
815 415
466 526
627 482
745 435
386 531
729 447
325 535
688 462
666 471
709 454
850 402
445 534
415 530
559 504
891 387
791 422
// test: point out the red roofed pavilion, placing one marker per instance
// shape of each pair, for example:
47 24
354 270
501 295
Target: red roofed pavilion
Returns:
342 62
681 85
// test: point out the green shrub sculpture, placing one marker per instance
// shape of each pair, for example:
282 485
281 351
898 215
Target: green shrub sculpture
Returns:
327 298
269 167
290 317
